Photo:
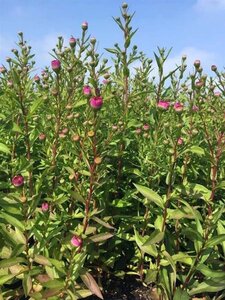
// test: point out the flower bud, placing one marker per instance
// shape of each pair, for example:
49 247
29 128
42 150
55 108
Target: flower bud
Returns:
75 137
214 68
180 141
163 104
76 241
84 25
124 5
98 160
178 107
197 63
72 42
87 90
56 65
18 180
96 102
146 127
93 40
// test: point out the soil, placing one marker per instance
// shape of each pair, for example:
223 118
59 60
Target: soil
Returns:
128 288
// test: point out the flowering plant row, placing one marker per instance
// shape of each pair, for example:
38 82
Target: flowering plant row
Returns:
106 170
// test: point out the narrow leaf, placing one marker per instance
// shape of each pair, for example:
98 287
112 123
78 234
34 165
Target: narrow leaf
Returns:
91 284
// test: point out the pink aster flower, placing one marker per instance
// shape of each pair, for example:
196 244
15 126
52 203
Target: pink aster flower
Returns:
76 241
56 65
44 206
180 141
87 90
84 25
178 106
163 104
72 42
96 102
18 180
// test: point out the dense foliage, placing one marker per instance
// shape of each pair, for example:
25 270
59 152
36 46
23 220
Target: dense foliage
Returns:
106 170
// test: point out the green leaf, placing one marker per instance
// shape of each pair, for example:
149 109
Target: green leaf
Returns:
54 284
5 278
150 195
154 238
149 249
209 273
4 148
181 294
91 284
219 239
35 105
100 237
208 286
40 259
196 149
12 220
27 284
5 263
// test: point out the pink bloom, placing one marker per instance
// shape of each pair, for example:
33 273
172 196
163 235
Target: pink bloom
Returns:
138 131
56 65
84 25
217 94
76 241
42 136
44 206
146 127
18 180
199 83
72 42
163 104
96 102
178 106
195 108
180 141
2 70
36 78
87 90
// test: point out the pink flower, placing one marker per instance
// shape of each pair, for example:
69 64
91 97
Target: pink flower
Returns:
217 94
199 83
36 78
195 108
76 241
87 90
180 141
72 42
146 127
42 136
2 70
44 206
163 104
56 65
138 131
18 180
96 102
84 25
178 106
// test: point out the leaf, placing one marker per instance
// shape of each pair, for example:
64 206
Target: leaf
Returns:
215 240
54 284
103 223
181 294
81 103
150 195
12 220
91 284
154 238
208 286
5 263
140 240
209 273
4 148
35 105
16 128
27 284
40 259
5 278
100 237
196 149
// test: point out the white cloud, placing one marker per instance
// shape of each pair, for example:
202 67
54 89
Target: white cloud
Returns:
210 5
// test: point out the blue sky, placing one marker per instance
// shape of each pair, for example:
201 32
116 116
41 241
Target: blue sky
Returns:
192 27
